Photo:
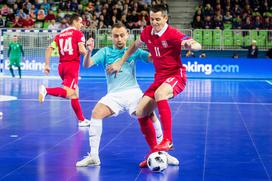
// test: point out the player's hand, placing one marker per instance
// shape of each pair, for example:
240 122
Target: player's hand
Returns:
187 44
46 69
114 68
90 44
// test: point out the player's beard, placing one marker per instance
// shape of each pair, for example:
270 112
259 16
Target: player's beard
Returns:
120 45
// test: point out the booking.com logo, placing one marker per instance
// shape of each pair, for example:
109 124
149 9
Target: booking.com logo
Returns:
208 69
31 65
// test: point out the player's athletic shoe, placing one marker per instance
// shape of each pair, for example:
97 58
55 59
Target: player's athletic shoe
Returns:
170 160
84 123
143 164
165 145
88 161
42 93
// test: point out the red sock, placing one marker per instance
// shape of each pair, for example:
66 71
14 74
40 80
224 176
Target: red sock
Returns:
166 118
148 130
57 91
77 109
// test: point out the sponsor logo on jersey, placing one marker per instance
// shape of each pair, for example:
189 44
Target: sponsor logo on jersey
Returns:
83 39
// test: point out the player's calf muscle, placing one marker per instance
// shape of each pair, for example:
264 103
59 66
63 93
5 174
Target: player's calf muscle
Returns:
141 112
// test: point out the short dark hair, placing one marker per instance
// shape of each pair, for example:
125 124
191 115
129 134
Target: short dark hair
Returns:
159 8
74 17
118 25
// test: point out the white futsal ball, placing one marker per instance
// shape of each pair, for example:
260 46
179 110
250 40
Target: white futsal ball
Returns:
157 161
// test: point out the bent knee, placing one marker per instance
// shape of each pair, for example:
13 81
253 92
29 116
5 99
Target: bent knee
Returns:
97 114
140 113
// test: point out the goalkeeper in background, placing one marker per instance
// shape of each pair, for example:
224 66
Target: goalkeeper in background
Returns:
15 53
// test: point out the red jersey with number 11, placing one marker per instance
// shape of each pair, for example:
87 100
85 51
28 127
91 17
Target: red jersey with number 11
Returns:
165 50
67 42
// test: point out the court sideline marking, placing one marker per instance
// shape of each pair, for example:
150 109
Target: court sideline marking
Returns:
115 137
250 136
171 102
39 155
206 140
269 82
253 143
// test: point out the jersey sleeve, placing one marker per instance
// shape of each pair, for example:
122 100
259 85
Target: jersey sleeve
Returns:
81 38
142 55
99 57
181 37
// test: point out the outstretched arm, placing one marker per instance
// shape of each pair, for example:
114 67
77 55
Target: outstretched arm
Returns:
48 53
82 50
87 61
116 66
191 44
150 58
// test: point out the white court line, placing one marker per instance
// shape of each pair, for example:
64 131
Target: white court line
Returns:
116 136
39 155
206 141
269 82
31 77
7 98
253 143
171 102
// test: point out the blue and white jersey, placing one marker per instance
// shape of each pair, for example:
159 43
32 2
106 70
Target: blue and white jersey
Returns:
126 78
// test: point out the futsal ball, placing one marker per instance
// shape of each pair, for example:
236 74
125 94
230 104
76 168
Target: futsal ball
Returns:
157 161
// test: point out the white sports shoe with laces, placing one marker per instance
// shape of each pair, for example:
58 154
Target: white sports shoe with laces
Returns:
171 160
42 93
84 123
88 161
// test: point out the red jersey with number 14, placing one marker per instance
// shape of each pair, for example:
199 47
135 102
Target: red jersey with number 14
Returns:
67 42
165 50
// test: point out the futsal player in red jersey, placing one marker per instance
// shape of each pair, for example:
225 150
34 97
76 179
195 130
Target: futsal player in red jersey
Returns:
70 43
164 43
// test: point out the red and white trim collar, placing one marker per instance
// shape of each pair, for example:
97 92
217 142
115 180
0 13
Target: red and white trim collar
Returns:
161 32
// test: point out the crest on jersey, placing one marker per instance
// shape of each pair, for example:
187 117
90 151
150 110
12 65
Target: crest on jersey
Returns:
149 41
164 44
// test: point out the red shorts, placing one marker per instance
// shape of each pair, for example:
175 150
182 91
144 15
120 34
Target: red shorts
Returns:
68 72
177 82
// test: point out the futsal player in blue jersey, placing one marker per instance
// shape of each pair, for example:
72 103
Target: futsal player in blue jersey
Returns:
123 92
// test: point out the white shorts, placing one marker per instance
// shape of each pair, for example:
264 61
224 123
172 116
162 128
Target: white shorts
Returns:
126 100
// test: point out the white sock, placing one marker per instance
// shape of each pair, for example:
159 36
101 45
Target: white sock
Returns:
95 132
158 130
